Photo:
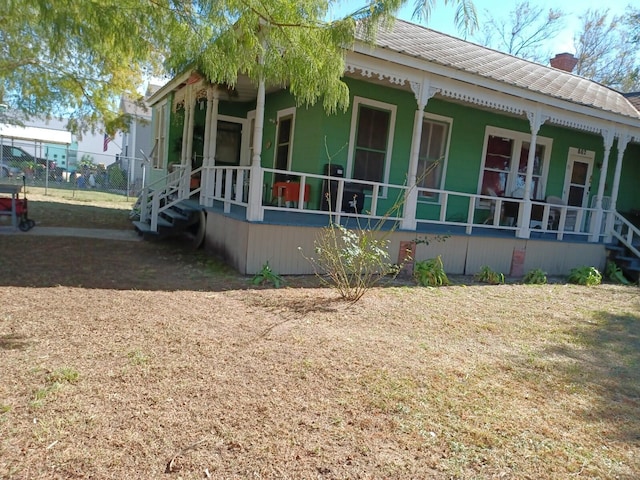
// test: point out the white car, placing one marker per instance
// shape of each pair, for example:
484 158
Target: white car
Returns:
7 171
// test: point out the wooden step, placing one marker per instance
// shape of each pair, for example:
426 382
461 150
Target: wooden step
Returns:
175 215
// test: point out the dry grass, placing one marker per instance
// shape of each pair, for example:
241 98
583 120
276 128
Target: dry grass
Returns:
144 358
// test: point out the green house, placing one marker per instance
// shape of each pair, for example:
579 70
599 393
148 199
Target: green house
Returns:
520 165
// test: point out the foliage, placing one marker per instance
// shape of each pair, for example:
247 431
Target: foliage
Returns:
86 161
525 31
488 275
607 52
430 273
614 273
117 177
81 57
267 275
352 261
537 276
589 276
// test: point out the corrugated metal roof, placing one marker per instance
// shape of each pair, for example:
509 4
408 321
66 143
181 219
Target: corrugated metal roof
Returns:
426 44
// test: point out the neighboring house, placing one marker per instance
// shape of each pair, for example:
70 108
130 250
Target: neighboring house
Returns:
445 124
137 140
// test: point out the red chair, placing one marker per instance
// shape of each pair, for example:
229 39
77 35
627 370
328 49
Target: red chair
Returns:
288 193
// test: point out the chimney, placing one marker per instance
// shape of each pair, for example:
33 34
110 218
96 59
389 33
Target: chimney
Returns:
564 61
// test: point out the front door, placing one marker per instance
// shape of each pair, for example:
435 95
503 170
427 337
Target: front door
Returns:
577 183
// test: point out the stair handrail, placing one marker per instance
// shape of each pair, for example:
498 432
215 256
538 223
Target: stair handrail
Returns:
174 191
145 197
625 232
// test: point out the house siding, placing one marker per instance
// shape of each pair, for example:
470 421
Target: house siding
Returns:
248 246
629 197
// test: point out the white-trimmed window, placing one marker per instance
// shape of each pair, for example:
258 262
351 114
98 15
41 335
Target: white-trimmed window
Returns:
160 136
284 140
432 157
370 144
504 165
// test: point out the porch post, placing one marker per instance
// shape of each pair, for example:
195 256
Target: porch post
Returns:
596 216
255 213
536 119
210 138
423 92
623 140
205 149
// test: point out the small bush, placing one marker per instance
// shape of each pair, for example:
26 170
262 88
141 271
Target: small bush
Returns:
589 276
352 261
535 277
488 275
430 273
267 275
614 273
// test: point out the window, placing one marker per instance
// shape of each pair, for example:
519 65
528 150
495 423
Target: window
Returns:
504 167
160 129
284 142
432 156
371 139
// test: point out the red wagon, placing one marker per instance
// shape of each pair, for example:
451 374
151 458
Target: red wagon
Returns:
22 211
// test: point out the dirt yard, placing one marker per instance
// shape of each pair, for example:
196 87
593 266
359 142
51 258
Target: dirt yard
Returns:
148 360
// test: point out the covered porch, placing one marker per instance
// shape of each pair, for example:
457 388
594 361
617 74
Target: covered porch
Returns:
247 200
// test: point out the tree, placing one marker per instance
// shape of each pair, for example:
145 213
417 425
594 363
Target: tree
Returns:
524 32
607 50
64 57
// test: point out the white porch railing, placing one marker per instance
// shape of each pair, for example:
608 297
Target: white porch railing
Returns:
229 185
165 193
626 233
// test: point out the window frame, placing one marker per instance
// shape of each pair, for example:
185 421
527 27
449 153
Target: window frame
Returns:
284 115
160 135
518 139
424 197
355 115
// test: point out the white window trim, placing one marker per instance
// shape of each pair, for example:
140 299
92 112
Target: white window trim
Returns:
357 101
287 112
158 133
518 138
449 122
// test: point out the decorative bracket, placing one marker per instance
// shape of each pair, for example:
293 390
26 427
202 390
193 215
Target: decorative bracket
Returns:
536 119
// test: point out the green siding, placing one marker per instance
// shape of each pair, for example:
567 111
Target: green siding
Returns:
319 138
629 196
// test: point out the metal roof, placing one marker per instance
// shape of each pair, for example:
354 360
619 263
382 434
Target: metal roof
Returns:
423 43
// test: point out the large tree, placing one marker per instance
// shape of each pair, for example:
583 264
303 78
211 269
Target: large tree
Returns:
523 32
607 49
75 59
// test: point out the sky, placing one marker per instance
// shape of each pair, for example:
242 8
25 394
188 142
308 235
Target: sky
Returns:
442 16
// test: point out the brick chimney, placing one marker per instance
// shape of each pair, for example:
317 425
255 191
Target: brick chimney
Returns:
564 61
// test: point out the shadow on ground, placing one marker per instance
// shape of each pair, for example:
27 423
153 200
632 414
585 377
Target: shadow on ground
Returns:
39 261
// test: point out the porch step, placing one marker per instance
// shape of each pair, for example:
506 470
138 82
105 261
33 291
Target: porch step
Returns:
630 261
175 220
175 215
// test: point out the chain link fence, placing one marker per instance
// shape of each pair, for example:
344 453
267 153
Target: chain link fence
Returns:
60 167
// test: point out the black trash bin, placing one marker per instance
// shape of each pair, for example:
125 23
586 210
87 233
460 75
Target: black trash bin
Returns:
329 191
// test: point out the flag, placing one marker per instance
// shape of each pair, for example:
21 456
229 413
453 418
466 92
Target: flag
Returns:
105 142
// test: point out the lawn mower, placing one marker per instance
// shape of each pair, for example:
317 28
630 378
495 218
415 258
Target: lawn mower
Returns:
22 211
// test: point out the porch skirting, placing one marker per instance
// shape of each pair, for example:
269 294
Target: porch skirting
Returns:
247 246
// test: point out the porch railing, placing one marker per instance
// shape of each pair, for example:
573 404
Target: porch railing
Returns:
229 185
385 201
627 233
165 193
